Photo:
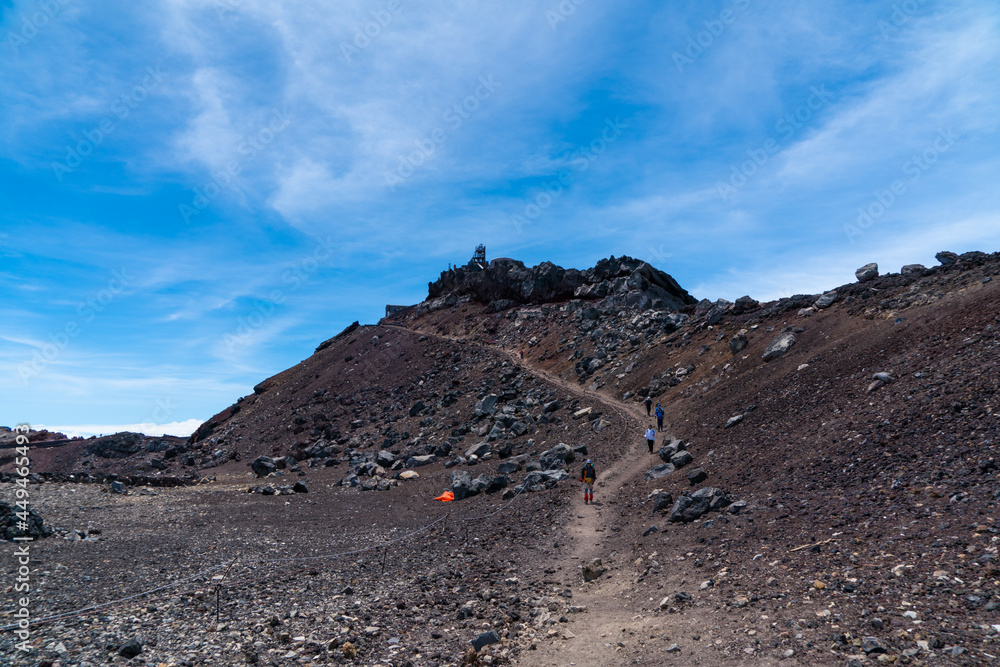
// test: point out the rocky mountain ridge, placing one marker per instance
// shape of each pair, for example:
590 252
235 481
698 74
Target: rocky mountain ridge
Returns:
621 282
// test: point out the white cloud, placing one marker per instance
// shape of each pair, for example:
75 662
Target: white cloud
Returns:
181 429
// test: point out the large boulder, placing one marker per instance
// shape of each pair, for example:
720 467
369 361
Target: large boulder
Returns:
667 451
556 457
12 526
681 459
417 461
745 304
660 471
662 501
688 508
946 258
826 300
497 483
262 466
717 498
779 346
479 450
486 405
867 272
461 484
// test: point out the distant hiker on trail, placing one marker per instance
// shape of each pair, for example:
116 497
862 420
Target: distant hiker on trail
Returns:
650 438
649 405
659 417
587 477
521 352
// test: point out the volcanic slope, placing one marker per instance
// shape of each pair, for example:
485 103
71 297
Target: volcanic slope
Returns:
871 519
366 557
854 518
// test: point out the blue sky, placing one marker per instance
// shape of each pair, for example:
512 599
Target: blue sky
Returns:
196 193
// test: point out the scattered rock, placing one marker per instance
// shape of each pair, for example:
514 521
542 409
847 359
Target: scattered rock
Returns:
867 272
485 639
659 471
737 343
130 649
826 300
946 258
697 476
662 501
262 466
557 456
593 570
779 346
417 461
872 645
10 524
681 459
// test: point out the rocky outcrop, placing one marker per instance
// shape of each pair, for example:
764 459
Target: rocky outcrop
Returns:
14 527
615 282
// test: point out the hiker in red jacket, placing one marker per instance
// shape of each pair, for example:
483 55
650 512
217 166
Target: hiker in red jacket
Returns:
587 477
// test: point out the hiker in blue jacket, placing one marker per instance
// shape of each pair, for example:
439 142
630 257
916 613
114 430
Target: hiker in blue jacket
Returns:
659 417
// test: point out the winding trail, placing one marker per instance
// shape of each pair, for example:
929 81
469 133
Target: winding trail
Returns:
612 612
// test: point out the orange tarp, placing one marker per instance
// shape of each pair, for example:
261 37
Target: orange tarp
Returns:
445 497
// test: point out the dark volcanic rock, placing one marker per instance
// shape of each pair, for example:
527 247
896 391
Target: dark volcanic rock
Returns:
697 476
117 446
485 639
557 457
262 466
867 272
619 282
130 649
779 346
10 527
662 501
